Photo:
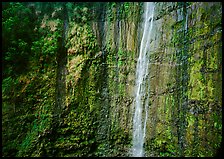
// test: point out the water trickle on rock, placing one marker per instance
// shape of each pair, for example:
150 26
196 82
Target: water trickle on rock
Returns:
141 89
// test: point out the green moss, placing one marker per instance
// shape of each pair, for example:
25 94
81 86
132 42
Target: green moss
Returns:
185 117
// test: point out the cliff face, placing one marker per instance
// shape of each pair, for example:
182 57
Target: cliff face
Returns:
184 75
105 80
78 98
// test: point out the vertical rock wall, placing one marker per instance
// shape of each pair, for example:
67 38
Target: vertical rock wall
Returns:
185 77
120 46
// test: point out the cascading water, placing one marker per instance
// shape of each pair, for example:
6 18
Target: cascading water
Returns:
141 98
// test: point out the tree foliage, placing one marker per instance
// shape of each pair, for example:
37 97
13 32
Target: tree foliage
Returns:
17 36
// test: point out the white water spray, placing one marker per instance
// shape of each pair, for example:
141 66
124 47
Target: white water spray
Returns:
141 98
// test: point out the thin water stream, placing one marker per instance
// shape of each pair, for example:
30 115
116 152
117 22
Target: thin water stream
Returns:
141 96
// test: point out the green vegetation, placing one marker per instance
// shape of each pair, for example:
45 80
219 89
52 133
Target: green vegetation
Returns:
68 76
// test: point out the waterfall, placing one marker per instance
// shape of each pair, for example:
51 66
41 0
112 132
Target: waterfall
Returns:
142 93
